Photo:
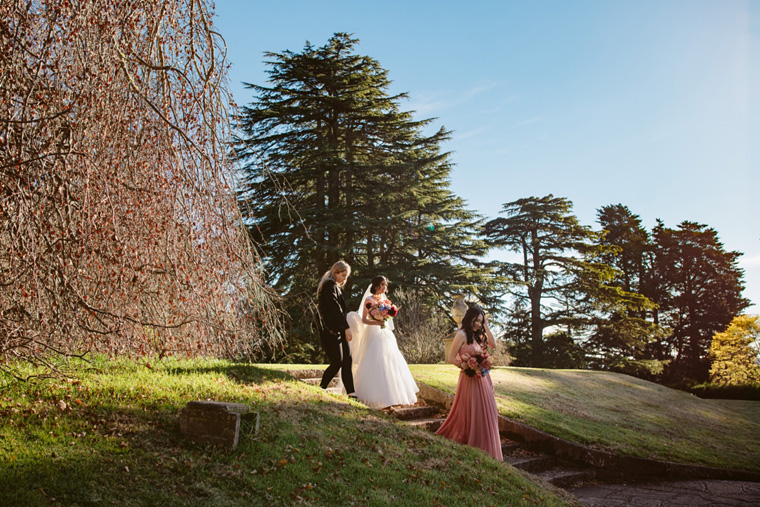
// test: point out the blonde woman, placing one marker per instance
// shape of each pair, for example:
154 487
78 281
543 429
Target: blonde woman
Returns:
334 333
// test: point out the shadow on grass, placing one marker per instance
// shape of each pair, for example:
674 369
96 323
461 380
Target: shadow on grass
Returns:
121 444
112 453
240 372
131 455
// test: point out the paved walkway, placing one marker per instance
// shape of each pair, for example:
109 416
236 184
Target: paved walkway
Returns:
664 494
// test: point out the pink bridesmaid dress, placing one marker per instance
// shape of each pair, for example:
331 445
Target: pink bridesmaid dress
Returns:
473 419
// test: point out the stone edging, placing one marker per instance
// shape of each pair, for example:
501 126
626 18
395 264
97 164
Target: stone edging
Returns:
607 461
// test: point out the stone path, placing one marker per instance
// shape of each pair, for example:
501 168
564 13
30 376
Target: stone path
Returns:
664 494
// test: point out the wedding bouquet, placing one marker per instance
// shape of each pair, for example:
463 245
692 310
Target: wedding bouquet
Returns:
382 311
477 365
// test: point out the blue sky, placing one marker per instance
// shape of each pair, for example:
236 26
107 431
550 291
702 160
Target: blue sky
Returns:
652 104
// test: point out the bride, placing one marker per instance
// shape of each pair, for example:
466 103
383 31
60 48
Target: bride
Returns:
381 376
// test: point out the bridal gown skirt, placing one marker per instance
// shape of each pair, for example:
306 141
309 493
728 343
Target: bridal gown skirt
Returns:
382 377
473 418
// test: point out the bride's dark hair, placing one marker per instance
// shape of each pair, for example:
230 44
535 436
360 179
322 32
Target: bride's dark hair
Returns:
376 283
469 317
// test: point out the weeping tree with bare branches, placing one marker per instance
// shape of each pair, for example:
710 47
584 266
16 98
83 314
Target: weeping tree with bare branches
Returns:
119 229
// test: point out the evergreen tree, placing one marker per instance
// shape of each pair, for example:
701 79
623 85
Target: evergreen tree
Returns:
631 255
558 279
698 292
334 169
735 353
623 333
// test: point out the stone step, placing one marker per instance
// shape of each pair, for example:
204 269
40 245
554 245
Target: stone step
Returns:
532 464
407 413
566 477
509 447
431 424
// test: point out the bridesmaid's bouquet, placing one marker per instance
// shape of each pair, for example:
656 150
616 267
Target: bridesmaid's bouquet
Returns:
476 365
382 311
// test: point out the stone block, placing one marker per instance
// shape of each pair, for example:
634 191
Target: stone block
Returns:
215 422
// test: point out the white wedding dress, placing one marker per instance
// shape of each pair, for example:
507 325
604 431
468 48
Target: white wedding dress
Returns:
381 375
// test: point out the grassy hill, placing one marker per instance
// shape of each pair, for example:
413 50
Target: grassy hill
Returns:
112 437
622 413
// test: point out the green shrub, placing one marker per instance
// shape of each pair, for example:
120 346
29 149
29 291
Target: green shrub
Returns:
734 353
646 369
725 392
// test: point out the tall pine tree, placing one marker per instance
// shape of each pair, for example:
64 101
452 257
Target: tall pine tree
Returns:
559 279
333 169
623 332
698 291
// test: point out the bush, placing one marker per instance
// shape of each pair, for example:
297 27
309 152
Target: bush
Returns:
734 353
646 369
500 356
559 351
419 329
725 392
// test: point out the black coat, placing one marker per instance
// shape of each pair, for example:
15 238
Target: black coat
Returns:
332 309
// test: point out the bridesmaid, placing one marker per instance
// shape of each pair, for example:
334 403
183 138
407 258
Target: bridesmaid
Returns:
473 419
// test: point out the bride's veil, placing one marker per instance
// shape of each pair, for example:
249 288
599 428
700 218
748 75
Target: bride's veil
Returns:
357 329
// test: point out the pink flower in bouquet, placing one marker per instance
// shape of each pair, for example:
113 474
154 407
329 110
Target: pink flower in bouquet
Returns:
485 363
382 311
477 365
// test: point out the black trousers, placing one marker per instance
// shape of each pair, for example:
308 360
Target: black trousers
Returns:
339 355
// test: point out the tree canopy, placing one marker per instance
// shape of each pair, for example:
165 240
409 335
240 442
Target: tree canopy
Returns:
334 169
697 286
622 333
119 229
735 353
558 280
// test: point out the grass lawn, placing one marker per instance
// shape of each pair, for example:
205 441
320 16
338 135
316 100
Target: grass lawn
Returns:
622 413
112 438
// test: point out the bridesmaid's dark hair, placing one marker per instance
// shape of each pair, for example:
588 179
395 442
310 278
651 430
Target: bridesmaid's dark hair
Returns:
376 283
469 317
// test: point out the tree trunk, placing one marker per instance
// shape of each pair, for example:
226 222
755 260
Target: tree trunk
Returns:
534 292
321 233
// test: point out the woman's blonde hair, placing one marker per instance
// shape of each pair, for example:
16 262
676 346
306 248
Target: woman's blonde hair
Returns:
336 268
